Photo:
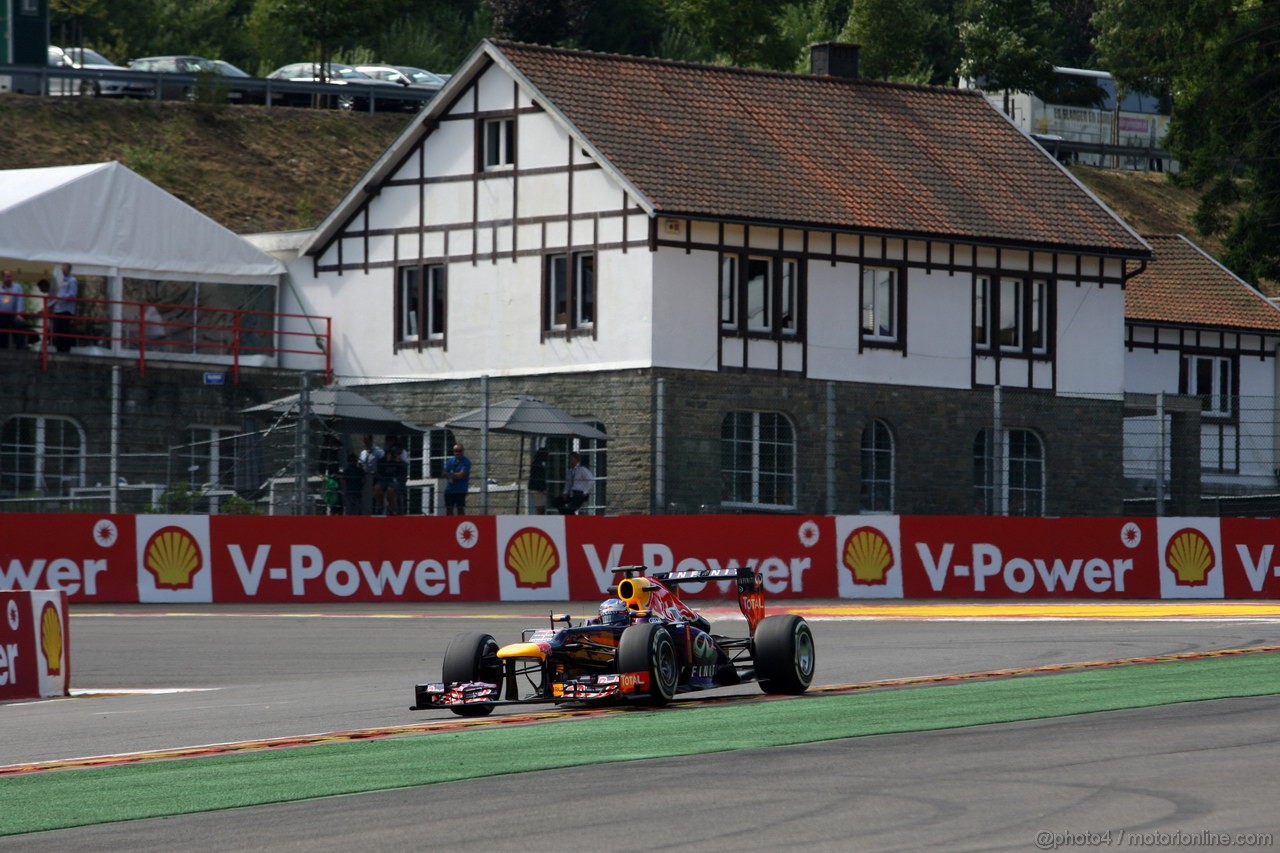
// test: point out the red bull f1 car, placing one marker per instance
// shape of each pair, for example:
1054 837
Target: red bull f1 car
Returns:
646 646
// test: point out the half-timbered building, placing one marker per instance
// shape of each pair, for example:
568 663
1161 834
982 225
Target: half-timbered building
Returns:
1192 327
775 292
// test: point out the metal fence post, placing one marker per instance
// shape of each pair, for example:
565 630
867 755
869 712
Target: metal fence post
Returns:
1160 445
300 441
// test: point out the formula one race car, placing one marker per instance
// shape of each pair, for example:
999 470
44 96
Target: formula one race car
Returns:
645 647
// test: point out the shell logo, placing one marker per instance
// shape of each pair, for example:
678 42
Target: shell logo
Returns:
868 555
532 557
173 557
51 639
1190 556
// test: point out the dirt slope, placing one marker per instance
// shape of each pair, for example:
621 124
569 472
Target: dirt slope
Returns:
259 169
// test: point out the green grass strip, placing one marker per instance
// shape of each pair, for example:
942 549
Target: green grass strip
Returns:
59 799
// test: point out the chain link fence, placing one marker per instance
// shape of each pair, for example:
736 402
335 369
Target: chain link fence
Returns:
102 439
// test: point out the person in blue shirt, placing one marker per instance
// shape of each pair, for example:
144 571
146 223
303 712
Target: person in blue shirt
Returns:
457 473
63 308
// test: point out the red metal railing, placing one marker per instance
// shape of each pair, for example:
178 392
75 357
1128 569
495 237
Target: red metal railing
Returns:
158 331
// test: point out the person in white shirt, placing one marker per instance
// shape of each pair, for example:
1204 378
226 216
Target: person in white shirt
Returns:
63 308
578 482
371 493
12 328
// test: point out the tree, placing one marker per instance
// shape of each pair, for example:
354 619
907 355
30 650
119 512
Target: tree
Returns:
893 35
1007 45
1220 60
538 21
325 25
743 32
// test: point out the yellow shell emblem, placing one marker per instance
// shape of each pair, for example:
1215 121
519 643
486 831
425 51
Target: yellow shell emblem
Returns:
1190 556
531 557
172 556
51 639
868 555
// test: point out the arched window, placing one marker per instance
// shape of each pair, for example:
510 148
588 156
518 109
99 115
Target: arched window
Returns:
1008 475
877 468
757 461
41 455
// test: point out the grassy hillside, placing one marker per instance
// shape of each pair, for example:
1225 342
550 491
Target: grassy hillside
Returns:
250 168
259 169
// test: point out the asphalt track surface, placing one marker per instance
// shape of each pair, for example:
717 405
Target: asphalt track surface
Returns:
1188 775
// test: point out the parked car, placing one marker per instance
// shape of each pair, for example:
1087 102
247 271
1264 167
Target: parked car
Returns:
203 70
88 60
338 75
409 77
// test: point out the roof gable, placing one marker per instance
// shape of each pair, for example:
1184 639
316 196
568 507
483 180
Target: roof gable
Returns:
800 149
790 149
1183 286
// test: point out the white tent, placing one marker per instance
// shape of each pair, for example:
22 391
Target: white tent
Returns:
105 220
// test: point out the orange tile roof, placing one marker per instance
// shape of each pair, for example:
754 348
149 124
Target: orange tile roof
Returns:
1184 286
861 155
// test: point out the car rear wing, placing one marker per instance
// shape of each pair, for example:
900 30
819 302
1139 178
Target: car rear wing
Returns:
750 585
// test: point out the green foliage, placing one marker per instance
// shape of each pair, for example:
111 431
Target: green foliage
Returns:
1007 44
1220 60
159 160
183 499
739 32
894 37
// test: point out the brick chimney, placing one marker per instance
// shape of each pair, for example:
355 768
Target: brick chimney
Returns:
834 59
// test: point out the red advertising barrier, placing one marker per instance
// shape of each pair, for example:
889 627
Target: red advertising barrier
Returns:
190 558
34 648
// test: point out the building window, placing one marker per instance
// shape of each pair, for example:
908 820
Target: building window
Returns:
41 456
422 303
877 468
209 457
499 143
592 452
570 291
1014 316
1211 377
1008 473
759 294
757 461
729 292
881 306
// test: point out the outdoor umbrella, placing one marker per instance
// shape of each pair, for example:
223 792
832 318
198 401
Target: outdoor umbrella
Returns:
343 409
523 415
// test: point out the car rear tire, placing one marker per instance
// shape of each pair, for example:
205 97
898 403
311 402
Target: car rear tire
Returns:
648 647
472 657
784 654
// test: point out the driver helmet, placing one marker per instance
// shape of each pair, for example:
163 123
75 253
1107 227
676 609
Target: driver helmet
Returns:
613 611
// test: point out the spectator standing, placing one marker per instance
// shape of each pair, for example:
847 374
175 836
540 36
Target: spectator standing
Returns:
62 305
371 490
12 328
578 482
457 471
395 470
332 492
538 482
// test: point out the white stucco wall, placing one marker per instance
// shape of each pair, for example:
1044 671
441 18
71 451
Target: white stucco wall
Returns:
1090 342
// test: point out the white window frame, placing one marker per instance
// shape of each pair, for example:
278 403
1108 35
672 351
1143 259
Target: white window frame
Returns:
880 295
758 434
1211 378
578 299
499 143
1013 317
1007 478
13 479
759 290
729 293
877 455
423 290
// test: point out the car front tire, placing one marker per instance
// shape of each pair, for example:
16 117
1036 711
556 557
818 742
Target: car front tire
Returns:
472 657
648 647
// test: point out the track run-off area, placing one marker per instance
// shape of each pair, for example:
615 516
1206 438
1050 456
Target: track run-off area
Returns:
194 711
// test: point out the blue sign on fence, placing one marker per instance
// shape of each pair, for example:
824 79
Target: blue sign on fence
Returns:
215 379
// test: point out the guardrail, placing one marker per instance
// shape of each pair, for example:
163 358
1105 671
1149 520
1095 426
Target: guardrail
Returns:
176 332
41 80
